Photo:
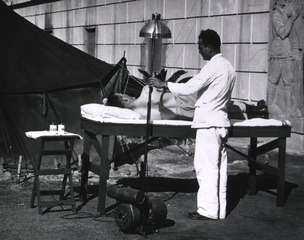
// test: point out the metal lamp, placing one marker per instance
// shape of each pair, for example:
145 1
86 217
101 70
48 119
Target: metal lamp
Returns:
155 28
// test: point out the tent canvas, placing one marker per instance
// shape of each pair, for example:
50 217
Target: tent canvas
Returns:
45 80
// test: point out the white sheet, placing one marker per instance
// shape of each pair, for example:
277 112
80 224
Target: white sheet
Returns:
37 134
110 114
260 122
254 122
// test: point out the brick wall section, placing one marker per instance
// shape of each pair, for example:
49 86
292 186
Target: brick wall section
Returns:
242 24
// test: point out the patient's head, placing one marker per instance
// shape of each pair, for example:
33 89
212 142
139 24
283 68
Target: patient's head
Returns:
120 100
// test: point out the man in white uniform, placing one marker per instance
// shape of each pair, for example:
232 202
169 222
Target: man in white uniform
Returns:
213 85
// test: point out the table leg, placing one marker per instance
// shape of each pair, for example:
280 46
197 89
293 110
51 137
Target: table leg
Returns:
104 175
38 146
252 186
69 145
281 178
85 166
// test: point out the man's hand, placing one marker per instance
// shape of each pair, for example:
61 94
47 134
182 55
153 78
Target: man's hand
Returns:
155 82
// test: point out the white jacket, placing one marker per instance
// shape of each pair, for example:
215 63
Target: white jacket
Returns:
214 84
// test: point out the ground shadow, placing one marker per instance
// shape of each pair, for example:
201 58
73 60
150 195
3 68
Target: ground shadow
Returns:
268 184
237 186
161 184
92 192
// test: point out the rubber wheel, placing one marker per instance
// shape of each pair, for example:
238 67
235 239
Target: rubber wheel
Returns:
127 217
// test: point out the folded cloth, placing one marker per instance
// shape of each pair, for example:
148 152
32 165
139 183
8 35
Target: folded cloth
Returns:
257 122
95 110
37 134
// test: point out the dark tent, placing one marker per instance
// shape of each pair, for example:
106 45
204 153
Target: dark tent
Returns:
45 80
40 62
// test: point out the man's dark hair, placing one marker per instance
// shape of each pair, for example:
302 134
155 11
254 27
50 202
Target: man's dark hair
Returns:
210 37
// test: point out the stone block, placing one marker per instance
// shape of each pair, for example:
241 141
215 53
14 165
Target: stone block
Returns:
214 23
229 51
192 56
185 31
241 87
76 35
252 57
138 39
93 3
112 1
127 33
174 56
40 21
100 38
105 14
91 16
135 11
136 55
175 9
254 6
77 17
56 6
236 29
120 13
223 7
258 86
104 52
197 8
71 4
27 11
59 19
109 34
260 28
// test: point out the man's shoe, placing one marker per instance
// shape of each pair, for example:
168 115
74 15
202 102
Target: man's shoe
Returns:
197 216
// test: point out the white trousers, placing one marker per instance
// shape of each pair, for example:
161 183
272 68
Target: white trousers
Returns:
210 163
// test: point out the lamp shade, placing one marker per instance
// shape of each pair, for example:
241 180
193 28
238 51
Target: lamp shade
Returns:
155 28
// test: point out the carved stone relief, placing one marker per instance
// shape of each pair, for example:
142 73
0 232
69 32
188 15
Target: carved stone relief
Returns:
285 75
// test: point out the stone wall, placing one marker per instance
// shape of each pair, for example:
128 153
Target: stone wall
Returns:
115 24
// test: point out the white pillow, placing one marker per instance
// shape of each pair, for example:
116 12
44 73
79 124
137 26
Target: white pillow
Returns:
99 110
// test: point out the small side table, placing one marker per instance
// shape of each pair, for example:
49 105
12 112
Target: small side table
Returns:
42 140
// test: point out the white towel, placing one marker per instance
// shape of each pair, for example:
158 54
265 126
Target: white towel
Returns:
37 134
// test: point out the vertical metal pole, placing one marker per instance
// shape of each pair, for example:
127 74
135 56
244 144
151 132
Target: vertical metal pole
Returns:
148 127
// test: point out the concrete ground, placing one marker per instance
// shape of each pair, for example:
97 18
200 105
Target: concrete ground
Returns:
172 179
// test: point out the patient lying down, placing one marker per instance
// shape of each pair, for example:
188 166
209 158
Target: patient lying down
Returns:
164 105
